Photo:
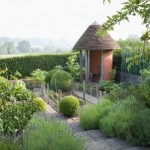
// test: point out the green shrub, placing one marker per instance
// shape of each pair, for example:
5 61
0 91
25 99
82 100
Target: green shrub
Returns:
39 75
141 128
49 75
40 104
117 93
120 118
19 93
15 116
4 84
90 114
73 67
44 132
69 105
27 64
107 86
89 117
10 144
61 80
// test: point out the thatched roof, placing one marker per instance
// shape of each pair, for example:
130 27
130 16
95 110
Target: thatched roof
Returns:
90 41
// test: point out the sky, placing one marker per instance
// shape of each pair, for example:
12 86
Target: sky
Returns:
60 18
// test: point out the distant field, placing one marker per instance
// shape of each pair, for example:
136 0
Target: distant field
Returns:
11 55
18 55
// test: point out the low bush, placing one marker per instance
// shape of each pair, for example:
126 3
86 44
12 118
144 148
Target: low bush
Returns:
69 105
44 132
10 144
39 75
117 93
16 107
107 86
141 128
40 104
15 116
120 118
61 80
89 117
90 114
49 75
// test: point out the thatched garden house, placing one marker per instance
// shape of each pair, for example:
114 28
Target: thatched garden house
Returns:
98 52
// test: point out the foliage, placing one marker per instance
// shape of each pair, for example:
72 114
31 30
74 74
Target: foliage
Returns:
10 47
44 132
61 80
88 87
39 75
107 86
15 116
141 128
9 144
49 75
113 73
16 106
27 64
59 67
145 73
132 7
89 117
73 66
117 93
130 44
90 114
69 105
119 119
24 47
40 104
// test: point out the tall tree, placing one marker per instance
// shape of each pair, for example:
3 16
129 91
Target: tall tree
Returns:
24 47
10 47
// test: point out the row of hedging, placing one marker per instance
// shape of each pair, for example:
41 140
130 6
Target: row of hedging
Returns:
26 64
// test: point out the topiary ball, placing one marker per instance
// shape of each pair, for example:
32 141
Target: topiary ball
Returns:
69 105
61 80
40 104
49 75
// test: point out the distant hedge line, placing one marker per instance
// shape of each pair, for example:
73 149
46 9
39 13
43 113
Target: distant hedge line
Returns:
26 64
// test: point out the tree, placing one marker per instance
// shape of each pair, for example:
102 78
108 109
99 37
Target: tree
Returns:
132 7
24 47
10 47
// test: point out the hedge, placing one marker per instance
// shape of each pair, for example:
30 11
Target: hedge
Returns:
26 64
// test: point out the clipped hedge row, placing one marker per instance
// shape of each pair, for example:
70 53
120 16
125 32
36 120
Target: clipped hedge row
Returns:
26 64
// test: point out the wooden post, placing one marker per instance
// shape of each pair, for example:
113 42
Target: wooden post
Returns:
86 66
102 65
81 67
97 93
84 90
59 97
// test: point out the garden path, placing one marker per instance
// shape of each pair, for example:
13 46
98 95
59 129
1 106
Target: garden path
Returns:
88 97
94 139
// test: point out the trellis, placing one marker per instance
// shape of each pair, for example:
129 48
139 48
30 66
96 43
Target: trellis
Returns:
132 73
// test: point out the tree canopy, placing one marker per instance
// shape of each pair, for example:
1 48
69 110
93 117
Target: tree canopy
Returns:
24 47
130 7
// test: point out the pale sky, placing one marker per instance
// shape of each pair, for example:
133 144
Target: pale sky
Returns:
60 18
